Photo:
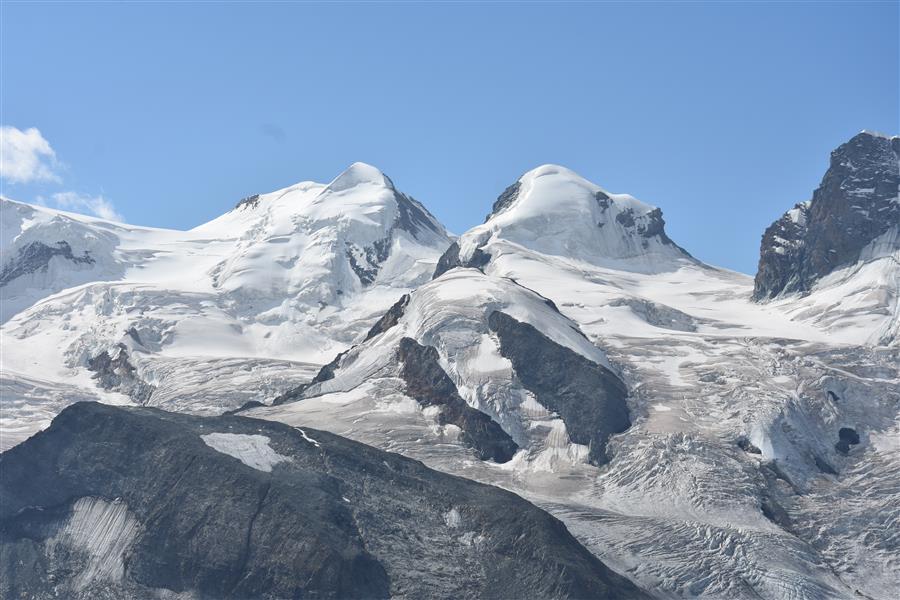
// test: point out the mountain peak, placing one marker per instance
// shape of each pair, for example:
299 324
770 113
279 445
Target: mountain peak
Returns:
357 174
856 203
555 211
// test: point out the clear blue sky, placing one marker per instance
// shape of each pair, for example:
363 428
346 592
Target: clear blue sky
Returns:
722 114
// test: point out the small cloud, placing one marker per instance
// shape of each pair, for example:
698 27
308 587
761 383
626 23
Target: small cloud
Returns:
26 156
95 205
274 131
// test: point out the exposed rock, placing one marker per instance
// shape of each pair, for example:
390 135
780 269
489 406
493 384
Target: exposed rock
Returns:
36 256
847 436
118 374
658 315
412 217
505 200
748 446
367 262
429 385
824 466
245 406
389 319
856 202
450 259
249 202
142 502
588 397
324 374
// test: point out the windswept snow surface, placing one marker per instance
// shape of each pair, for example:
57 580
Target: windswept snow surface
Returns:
729 483
238 309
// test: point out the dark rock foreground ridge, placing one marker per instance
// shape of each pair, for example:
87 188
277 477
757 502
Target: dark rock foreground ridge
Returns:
130 503
856 202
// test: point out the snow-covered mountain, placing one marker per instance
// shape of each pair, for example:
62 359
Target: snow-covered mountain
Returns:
701 433
204 320
756 450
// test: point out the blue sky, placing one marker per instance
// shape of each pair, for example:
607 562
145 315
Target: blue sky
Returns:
722 114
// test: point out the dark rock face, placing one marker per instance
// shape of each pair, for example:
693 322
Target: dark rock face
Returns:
855 203
504 200
324 374
120 375
427 382
748 446
658 315
389 319
330 518
249 202
847 436
588 397
36 256
450 260
413 217
375 255
824 467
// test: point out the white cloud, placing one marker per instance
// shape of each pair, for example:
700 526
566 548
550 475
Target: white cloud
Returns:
95 205
26 156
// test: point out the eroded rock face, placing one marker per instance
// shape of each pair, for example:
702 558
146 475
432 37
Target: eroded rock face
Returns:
505 200
427 382
139 499
451 259
589 398
856 203
324 374
36 256
390 318
118 374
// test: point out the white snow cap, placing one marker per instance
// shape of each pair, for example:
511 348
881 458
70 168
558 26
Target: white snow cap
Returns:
557 211
359 173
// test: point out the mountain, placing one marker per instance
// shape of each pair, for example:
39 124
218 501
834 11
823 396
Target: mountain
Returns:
239 308
696 437
841 249
133 503
648 396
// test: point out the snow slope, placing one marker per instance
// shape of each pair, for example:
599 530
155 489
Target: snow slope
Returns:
245 305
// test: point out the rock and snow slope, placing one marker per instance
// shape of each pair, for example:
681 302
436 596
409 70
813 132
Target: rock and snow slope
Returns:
204 320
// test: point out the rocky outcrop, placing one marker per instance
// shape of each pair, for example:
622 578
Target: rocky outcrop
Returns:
389 319
250 202
324 374
116 373
505 200
588 397
429 385
124 503
450 259
36 256
847 436
856 202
